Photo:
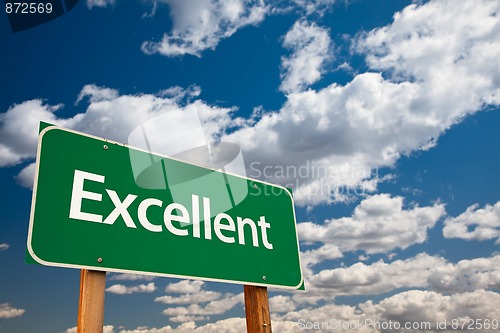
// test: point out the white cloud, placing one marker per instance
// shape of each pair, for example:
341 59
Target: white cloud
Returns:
106 329
191 292
7 311
164 329
325 252
104 117
26 176
416 308
200 25
377 278
185 287
318 7
201 296
321 319
379 224
422 271
96 93
311 50
340 135
442 58
229 325
19 130
178 93
216 307
281 303
187 318
466 275
310 258
4 246
441 41
475 224
130 277
122 290
99 3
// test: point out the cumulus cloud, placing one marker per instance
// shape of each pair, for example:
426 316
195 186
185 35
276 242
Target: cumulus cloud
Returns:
379 224
466 275
96 93
199 297
318 7
185 287
144 329
421 271
191 292
377 278
215 307
99 3
436 63
7 311
19 129
419 310
281 303
325 252
323 316
123 290
311 50
131 277
417 306
310 258
106 329
229 325
438 41
475 224
104 117
26 176
202 24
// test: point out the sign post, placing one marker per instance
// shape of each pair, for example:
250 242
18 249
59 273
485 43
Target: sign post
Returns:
258 316
104 206
91 304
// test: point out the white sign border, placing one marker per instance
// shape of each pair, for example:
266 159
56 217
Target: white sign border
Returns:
125 271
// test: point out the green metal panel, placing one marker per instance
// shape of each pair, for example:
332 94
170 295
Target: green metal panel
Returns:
261 253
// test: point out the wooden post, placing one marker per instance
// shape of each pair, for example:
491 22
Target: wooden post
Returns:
257 309
91 305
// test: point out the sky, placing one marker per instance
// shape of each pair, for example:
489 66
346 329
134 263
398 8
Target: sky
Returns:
382 116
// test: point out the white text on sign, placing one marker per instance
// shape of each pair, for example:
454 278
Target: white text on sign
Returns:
224 226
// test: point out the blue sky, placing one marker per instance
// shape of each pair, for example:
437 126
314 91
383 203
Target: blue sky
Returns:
390 108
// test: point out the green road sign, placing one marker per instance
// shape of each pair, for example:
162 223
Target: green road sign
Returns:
103 205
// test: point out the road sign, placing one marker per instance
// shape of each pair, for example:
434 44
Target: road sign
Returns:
91 209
